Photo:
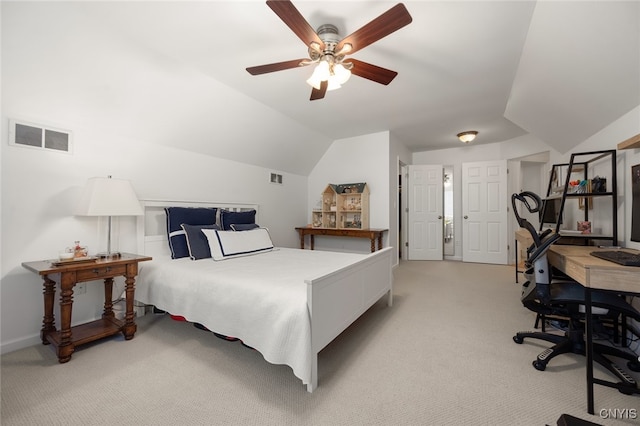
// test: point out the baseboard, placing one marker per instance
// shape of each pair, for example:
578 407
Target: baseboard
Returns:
457 258
21 343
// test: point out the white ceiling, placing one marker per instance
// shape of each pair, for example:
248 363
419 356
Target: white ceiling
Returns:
558 70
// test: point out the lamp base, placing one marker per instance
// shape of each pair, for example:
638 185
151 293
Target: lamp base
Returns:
109 255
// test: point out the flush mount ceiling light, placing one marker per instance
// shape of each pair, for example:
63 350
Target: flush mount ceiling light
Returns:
466 137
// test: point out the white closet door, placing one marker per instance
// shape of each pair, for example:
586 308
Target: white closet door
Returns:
484 212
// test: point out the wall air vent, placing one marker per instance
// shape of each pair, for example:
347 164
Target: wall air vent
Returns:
32 135
275 178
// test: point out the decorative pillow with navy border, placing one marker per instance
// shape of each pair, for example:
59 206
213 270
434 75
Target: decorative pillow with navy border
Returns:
244 226
176 216
230 244
197 242
228 218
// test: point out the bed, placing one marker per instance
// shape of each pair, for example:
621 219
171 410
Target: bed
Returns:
288 314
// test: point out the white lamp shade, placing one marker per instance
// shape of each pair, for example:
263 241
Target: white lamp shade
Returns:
108 197
333 84
341 73
320 74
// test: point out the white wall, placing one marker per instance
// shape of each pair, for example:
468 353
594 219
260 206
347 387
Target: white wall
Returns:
456 156
608 138
358 159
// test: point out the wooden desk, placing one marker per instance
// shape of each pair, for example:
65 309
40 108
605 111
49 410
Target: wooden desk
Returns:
68 275
371 233
594 273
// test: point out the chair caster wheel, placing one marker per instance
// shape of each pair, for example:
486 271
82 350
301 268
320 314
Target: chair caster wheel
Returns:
633 365
539 365
518 339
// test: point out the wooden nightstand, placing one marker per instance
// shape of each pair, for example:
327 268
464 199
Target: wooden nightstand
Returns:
68 275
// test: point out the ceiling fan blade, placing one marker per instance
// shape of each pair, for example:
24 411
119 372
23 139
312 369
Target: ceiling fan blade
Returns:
319 93
294 20
372 72
385 24
278 66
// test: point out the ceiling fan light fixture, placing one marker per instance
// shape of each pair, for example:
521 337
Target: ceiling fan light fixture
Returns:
468 136
333 84
320 74
340 73
334 74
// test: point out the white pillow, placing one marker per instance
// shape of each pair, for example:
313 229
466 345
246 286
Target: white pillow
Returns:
230 244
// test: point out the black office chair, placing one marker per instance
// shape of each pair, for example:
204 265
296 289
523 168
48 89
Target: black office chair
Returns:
562 297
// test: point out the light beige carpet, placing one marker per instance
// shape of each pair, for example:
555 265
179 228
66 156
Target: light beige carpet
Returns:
442 355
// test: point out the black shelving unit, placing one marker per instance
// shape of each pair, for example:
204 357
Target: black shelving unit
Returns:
580 162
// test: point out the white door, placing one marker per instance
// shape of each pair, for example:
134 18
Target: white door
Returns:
426 216
485 212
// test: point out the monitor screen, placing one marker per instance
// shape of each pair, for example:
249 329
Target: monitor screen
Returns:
549 213
635 203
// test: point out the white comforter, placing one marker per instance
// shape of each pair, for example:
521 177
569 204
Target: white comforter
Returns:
260 299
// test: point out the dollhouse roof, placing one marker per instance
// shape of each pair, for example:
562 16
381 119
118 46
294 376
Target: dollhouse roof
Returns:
354 188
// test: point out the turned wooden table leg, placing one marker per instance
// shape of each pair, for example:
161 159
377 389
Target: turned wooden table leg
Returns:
373 243
311 241
108 298
302 240
380 241
66 348
129 328
48 320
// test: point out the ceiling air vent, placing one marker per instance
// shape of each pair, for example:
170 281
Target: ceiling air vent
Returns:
32 135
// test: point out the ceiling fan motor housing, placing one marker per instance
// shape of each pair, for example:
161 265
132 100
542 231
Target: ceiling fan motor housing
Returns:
328 33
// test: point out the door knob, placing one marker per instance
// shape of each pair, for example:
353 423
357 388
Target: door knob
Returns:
466 217
439 217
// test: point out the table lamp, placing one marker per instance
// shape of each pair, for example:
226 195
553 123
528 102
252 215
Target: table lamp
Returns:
108 197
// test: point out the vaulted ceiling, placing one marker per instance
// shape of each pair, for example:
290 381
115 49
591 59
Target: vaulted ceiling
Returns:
558 70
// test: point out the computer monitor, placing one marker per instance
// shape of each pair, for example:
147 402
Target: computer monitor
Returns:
635 203
550 212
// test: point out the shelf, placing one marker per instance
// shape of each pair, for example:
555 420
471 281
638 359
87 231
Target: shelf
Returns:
588 194
88 332
631 143
586 236
551 212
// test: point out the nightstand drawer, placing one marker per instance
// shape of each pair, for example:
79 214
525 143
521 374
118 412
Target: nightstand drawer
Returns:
98 272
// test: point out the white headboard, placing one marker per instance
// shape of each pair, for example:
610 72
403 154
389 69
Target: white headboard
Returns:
151 227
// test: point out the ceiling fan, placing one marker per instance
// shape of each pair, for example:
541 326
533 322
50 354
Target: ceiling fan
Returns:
328 50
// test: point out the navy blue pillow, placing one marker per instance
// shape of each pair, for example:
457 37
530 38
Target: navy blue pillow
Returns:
244 226
227 218
197 242
176 216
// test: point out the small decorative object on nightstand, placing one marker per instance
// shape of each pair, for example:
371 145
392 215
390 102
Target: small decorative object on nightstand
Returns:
70 272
